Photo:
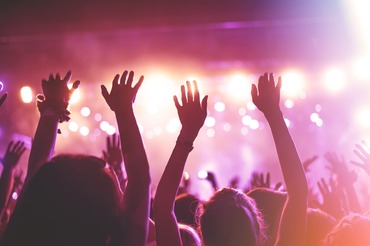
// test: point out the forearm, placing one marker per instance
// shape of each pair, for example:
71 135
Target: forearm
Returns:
353 201
292 169
43 144
6 184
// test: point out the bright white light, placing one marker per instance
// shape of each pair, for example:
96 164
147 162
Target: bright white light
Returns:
319 122
76 96
360 15
157 130
334 80
84 131
157 84
26 94
242 111
173 125
1 86
289 103
85 111
104 126
227 127
238 87
202 174
152 109
363 118
73 126
149 135
210 121
97 117
254 124
361 69
314 117
111 130
211 133
293 84
246 120
219 106
251 106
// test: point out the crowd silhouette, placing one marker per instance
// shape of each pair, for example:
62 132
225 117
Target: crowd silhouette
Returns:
76 199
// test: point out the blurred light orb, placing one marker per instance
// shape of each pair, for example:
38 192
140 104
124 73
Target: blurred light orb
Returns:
289 103
157 130
1 86
210 121
334 80
73 126
26 94
202 174
104 126
361 69
84 131
314 117
287 122
85 111
293 84
186 175
251 106
149 135
238 87
246 120
242 111
220 106
363 118
318 107
319 122
15 195
227 127
111 130
254 124
97 117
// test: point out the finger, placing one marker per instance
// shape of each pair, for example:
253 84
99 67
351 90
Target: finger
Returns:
360 155
105 155
325 186
271 79
75 85
138 84
196 92
130 78
109 145
190 92
183 96
68 76
17 145
123 77
177 104
115 81
268 179
204 104
57 77
261 82
254 93
321 189
356 163
10 145
362 150
114 140
51 77
3 98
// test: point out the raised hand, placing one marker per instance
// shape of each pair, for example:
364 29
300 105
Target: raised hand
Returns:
3 98
13 154
122 93
57 95
362 152
192 112
339 167
307 163
267 96
258 180
113 155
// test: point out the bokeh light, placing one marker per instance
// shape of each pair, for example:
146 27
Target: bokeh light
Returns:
293 84
26 94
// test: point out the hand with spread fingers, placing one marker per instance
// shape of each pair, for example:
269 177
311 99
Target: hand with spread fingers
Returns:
113 155
13 154
123 92
362 152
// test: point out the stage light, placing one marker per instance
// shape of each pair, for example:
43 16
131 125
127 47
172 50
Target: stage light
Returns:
1 86
254 124
319 122
293 84
84 131
76 96
26 94
210 121
85 111
219 106
361 69
111 130
104 126
73 126
363 117
211 133
246 120
314 117
157 130
289 103
334 80
238 87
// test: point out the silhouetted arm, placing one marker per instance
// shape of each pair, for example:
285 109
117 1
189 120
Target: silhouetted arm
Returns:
3 98
293 221
192 114
53 109
137 193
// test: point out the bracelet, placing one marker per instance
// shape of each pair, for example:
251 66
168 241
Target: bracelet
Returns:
187 145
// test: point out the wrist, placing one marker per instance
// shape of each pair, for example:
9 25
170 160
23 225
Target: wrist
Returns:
184 144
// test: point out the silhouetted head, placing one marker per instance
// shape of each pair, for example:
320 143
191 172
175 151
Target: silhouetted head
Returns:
231 218
271 204
185 209
353 229
72 200
319 224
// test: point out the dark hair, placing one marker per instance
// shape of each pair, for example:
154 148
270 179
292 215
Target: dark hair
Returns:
231 218
72 200
185 209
